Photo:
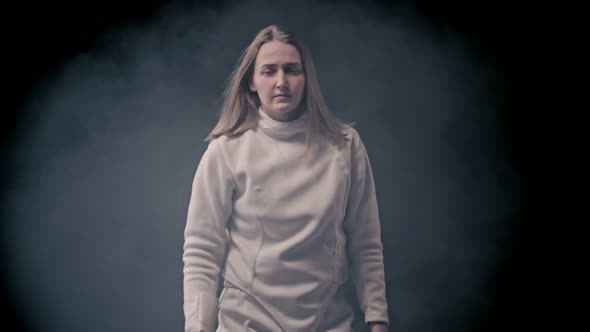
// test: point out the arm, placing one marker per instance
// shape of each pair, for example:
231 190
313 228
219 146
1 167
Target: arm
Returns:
363 232
209 208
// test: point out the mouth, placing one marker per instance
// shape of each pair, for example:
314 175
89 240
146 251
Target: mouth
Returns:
283 96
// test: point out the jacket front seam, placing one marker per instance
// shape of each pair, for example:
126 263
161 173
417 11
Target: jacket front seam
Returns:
253 268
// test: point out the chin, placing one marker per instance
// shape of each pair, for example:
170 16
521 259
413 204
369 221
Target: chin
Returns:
283 109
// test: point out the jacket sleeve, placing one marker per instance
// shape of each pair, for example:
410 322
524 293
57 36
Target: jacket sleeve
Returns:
205 239
362 227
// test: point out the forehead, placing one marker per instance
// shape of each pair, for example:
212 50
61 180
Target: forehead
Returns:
277 53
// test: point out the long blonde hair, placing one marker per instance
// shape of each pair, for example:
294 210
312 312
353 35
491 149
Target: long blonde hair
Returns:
240 108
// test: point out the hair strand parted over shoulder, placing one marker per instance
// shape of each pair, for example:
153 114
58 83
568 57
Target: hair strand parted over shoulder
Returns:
239 112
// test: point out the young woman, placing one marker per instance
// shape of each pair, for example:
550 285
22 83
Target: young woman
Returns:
283 206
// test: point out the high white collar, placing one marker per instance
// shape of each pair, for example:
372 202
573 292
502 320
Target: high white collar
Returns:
281 129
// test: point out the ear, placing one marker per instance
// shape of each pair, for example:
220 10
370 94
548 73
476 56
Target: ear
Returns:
252 87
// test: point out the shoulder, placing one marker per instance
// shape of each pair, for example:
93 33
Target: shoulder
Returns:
231 149
349 132
225 144
217 148
353 139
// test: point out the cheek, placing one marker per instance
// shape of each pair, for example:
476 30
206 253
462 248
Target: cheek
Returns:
300 83
261 89
260 84
265 93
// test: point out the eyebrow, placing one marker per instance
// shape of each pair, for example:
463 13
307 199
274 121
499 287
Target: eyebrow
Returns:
291 64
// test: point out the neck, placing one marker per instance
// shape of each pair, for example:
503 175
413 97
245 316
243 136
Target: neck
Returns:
282 128
286 117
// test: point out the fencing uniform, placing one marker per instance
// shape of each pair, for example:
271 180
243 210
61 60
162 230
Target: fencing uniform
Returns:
284 233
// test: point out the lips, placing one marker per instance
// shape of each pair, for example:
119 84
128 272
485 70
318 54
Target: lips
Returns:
286 96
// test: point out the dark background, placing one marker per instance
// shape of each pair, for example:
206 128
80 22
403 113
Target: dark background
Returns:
541 283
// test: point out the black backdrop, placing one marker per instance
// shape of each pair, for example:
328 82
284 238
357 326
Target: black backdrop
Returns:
540 284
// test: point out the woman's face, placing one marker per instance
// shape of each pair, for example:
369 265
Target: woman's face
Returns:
279 81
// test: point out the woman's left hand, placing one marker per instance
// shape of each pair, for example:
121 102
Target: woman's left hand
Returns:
378 327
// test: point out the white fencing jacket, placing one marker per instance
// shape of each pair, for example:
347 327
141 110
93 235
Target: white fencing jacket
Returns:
285 232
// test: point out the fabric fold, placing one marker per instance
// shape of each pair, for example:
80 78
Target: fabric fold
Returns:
279 129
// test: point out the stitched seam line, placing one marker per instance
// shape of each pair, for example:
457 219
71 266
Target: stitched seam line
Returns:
257 253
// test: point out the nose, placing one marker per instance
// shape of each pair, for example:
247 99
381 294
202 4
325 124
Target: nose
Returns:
281 80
